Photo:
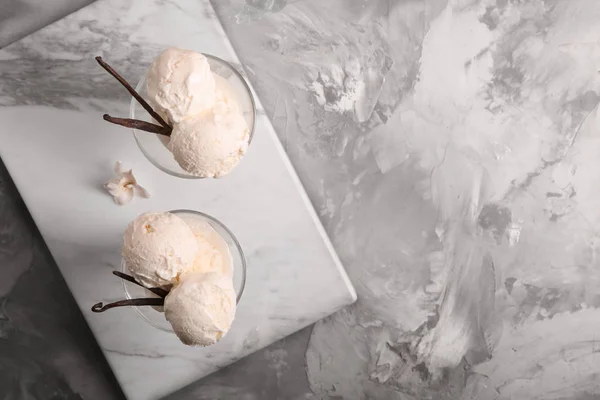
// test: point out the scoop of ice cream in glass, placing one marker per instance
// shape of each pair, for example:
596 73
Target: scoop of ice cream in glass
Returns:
184 272
192 114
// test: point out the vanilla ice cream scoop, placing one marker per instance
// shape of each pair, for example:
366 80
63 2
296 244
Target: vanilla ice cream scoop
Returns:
179 83
213 252
213 142
201 308
158 247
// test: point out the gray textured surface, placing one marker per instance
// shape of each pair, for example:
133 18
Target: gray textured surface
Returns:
19 18
430 135
46 348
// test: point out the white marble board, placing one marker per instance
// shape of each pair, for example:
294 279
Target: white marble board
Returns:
59 151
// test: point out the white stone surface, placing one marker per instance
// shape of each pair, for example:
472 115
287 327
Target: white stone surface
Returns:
59 151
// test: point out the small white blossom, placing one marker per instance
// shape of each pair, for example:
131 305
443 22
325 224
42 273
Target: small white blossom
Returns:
124 186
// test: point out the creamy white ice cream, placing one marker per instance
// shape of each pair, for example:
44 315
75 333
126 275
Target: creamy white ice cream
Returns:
201 308
158 247
213 252
211 143
179 83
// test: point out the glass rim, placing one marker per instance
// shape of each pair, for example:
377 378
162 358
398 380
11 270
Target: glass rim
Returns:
233 238
133 103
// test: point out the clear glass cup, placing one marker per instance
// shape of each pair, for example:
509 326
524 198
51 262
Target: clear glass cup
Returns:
157 318
154 146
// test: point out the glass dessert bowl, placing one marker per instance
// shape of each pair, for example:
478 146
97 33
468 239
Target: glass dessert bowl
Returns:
154 146
154 315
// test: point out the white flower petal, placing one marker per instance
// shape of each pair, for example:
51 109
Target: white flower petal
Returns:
128 175
140 191
118 168
121 191
125 197
124 186
114 186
